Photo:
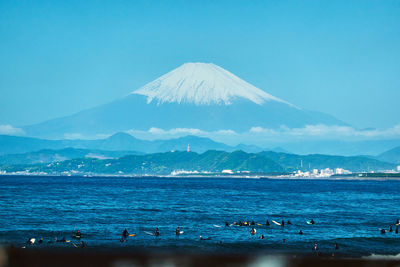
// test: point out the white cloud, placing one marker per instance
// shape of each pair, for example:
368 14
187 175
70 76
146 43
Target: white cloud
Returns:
259 135
10 130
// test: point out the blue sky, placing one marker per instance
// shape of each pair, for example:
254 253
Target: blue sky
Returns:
338 57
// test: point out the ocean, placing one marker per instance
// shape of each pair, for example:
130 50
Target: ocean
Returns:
349 212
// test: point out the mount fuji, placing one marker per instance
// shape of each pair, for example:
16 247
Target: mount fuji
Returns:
200 96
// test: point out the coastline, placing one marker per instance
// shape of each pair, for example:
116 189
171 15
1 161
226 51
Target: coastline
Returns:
216 176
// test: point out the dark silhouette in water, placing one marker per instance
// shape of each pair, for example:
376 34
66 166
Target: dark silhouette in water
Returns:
157 232
301 232
336 246
397 230
267 223
125 233
177 231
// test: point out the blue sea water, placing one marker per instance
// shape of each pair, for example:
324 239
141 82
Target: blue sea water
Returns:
349 212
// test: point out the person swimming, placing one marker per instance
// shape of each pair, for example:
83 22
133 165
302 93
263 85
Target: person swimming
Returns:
283 223
336 246
383 231
253 231
226 224
177 231
78 234
312 221
301 232
157 232
267 223
125 233
262 237
288 222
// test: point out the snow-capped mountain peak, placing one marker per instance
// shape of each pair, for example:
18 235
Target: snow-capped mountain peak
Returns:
202 84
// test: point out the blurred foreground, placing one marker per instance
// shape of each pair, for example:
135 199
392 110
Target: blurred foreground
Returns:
22 257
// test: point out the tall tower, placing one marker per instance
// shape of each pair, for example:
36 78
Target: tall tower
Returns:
188 148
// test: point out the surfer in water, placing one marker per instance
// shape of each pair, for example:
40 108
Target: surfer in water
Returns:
177 231
41 240
78 234
397 230
288 222
157 232
336 246
83 244
253 231
283 223
262 237
390 228
267 223
383 231
125 233
312 221
226 224
301 232
315 246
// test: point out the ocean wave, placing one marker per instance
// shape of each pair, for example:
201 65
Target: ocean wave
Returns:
382 257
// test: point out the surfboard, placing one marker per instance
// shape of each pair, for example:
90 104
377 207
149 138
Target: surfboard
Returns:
149 233
308 222
259 224
275 222
218 226
132 235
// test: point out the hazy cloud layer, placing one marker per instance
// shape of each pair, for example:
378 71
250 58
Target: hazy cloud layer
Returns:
10 130
257 135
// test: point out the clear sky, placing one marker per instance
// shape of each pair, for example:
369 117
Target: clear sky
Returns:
338 57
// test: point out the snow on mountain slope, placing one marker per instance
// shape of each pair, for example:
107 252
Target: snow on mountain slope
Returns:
202 84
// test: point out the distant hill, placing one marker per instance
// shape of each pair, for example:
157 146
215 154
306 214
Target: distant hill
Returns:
392 155
210 161
52 155
116 142
319 161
